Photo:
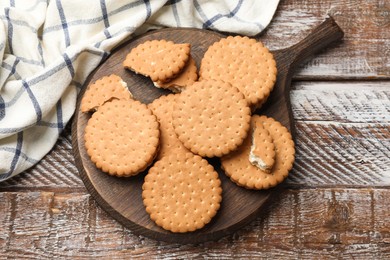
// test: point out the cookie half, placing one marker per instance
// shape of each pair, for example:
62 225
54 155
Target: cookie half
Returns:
186 77
245 63
262 153
211 118
122 137
238 167
103 90
160 60
162 108
182 192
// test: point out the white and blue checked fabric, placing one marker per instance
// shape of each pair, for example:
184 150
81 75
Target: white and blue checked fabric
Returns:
48 48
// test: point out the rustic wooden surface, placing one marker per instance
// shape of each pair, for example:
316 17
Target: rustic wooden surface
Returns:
336 201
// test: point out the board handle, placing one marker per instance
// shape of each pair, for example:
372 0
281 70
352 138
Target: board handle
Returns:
288 60
319 38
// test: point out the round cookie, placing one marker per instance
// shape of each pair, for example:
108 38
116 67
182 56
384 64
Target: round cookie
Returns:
162 108
237 166
182 192
211 118
160 60
103 90
245 63
122 137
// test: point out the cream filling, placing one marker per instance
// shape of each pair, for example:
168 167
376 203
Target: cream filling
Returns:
256 161
124 85
172 88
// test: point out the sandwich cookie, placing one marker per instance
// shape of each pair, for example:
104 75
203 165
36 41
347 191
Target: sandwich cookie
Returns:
186 77
245 63
211 118
162 108
239 169
182 192
122 137
103 90
160 60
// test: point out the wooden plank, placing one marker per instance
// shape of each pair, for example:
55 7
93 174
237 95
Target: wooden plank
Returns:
342 102
56 169
365 50
307 223
343 138
338 154
343 133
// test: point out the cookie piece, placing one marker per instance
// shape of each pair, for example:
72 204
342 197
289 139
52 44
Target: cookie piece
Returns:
187 77
262 153
211 118
162 108
122 137
182 192
160 60
245 63
103 90
237 166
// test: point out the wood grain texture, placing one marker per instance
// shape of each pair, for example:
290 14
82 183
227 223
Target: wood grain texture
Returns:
334 154
343 134
56 169
365 50
304 223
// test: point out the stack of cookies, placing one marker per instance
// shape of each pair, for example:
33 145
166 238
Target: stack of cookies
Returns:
209 116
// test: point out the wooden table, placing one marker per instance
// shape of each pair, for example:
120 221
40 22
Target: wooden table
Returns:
336 201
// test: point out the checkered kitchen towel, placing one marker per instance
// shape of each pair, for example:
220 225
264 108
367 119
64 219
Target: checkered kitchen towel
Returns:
48 48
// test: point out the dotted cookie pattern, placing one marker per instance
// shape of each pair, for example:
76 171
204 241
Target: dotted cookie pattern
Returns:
162 108
237 166
211 118
103 90
122 137
243 62
182 192
158 59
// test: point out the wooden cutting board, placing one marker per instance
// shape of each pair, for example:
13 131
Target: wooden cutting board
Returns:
121 197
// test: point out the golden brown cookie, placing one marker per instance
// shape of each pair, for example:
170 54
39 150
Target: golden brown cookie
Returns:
187 76
160 60
122 137
262 153
103 90
245 63
211 118
237 166
169 143
182 192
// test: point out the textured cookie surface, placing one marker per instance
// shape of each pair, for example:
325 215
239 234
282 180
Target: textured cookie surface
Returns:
211 118
158 59
237 166
169 143
245 63
186 77
122 137
103 90
262 153
182 192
